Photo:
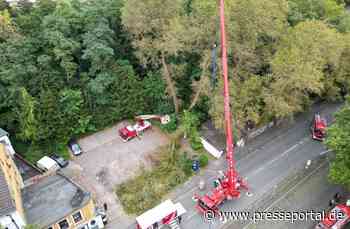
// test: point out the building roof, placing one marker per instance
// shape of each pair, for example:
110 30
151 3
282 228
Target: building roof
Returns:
6 203
51 199
3 133
27 170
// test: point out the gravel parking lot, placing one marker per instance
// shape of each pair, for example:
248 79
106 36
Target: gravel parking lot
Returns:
108 161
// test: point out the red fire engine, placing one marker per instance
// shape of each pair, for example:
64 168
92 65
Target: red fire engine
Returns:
131 131
166 213
228 185
337 218
318 128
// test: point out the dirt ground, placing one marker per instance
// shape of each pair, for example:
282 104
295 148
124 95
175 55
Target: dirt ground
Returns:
108 161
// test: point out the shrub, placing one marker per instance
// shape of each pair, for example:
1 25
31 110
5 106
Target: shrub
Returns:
202 109
203 160
146 190
195 140
186 164
171 126
33 154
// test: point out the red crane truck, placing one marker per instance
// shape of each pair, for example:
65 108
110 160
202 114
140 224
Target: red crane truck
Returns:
229 184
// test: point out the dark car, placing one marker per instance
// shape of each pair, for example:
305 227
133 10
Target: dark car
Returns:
74 147
60 160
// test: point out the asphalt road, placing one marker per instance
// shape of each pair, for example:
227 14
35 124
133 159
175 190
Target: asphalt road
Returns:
312 193
267 162
273 163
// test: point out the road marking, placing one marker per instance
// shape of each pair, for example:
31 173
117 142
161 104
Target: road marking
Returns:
252 174
191 216
289 191
295 186
276 158
255 172
325 152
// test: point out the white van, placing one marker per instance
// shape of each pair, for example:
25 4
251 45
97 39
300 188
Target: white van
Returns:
47 164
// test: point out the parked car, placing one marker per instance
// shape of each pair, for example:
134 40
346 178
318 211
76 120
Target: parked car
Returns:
60 160
75 147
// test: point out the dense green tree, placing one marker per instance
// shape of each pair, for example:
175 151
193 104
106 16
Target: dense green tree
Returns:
117 92
7 29
4 5
64 70
298 66
189 123
255 28
154 25
69 67
342 72
26 116
156 100
301 10
338 138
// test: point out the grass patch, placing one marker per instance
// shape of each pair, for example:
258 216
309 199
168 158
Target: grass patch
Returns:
19 146
147 190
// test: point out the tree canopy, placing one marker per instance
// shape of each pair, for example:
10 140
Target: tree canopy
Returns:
71 67
338 138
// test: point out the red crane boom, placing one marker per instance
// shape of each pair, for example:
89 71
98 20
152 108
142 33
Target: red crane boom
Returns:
228 186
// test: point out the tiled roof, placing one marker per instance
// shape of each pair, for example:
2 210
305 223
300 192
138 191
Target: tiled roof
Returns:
6 203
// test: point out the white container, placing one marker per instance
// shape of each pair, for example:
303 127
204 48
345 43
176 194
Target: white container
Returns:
47 164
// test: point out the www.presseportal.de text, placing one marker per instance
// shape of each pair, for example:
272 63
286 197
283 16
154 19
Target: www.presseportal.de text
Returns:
289 216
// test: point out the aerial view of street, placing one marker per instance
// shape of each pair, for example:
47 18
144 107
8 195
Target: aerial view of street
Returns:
174 114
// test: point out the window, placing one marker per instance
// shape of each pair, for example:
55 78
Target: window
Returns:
63 224
84 227
77 217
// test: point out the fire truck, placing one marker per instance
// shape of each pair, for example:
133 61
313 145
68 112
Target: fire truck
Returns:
318 128
142 124
337 218
166 214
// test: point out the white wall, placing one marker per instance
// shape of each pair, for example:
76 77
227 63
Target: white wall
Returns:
8 144
6 221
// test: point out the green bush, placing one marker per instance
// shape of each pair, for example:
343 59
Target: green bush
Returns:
203 160
195 140
202 109
147 190
196 143
63 151
171 126
186 164
33 154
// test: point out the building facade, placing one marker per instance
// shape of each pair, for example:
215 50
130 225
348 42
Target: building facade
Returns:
50 201
11 212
